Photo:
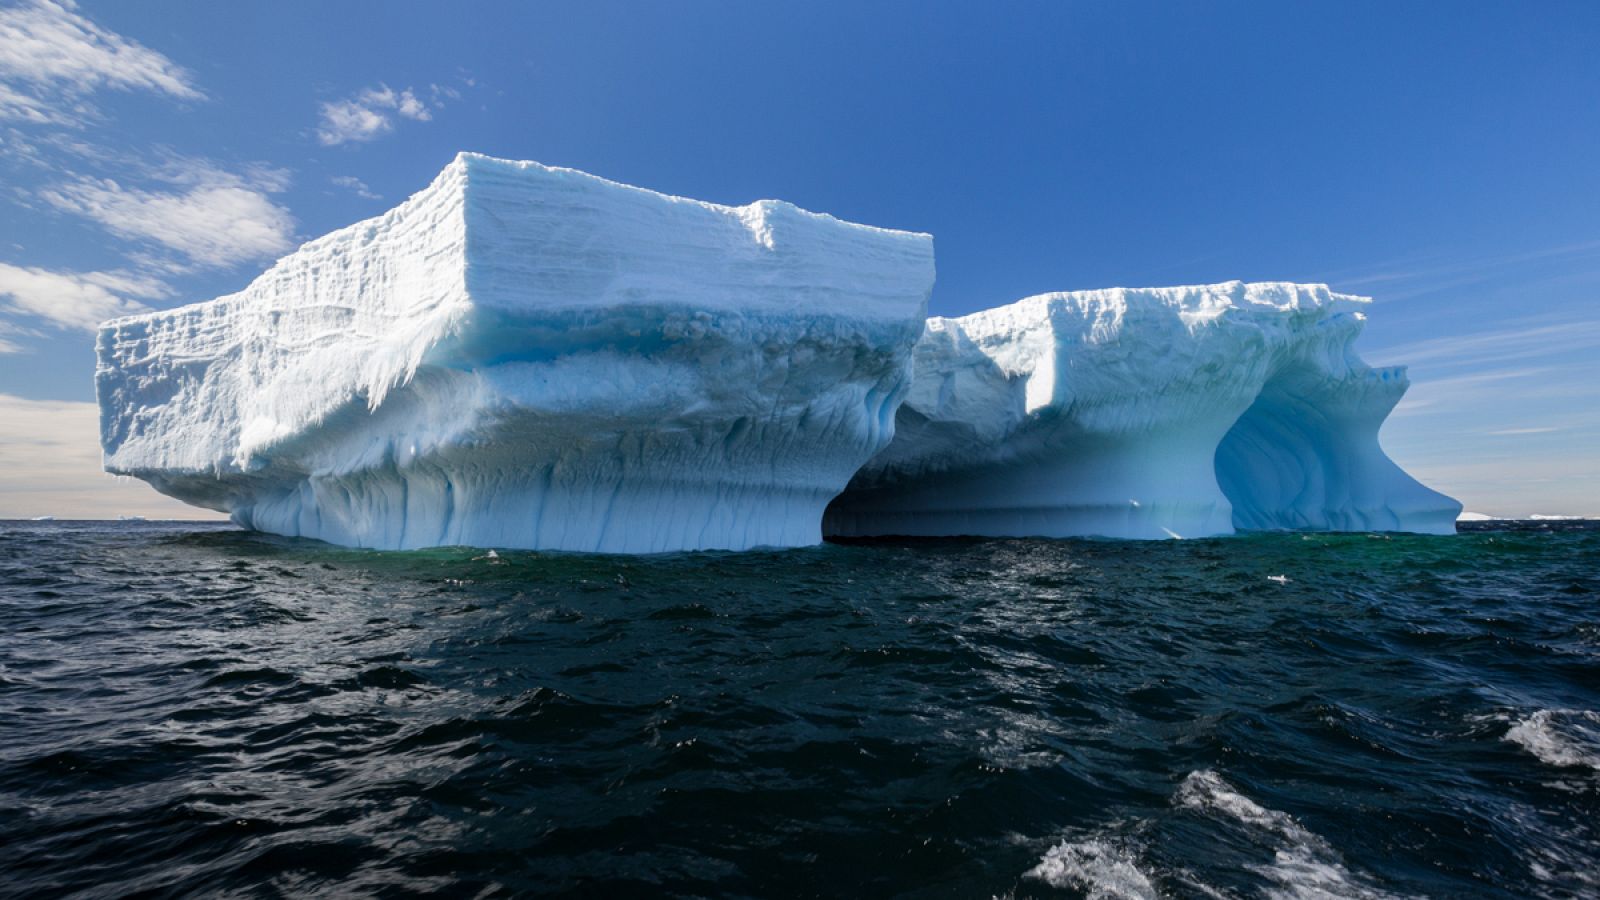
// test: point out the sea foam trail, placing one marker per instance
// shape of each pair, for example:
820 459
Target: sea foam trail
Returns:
1560 737
1304 865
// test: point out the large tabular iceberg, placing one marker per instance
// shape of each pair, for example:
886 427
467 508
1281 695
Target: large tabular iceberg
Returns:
523 356
1154 413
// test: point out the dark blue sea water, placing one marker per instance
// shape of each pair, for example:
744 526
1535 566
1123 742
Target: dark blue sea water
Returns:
191 710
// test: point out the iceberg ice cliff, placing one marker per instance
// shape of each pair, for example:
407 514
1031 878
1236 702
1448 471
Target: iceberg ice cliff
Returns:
1167 412
524 356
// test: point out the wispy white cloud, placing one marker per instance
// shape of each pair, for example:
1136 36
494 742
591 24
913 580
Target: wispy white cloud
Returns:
175 214
372 113
50 466
214 218
355 185
1436 393
51 56
73 299
1474 395
1518 340
17 106
1542 429
1439 271
9 332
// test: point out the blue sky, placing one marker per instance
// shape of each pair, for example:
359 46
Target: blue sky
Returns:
1443 158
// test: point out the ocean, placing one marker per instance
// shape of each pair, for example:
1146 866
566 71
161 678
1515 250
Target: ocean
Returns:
192 710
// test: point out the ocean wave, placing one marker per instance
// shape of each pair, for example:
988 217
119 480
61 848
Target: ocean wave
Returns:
1304 865
206 711
1569 738
1102 870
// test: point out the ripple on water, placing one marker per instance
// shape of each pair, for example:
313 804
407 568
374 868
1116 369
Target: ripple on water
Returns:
196 710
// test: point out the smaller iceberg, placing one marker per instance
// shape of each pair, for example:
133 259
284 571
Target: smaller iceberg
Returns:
1163 412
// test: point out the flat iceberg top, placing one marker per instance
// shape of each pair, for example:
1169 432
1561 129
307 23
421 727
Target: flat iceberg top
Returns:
518 339
559 238
568 220
1199 300
1119 359
751 213
1147 326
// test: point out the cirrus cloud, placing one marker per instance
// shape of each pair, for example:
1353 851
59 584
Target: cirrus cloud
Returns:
372 113
79 300
356 186
50 56
214 218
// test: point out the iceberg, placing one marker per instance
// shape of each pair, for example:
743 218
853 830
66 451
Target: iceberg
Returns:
531 357
1153 413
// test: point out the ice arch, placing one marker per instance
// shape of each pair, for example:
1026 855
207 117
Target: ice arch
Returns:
1151 413
1305 457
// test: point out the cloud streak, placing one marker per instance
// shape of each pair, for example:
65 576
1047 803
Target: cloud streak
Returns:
50 56
373 112
8 333
1542 429
1529 339
17 106
356 186
214 219
180 213
1441 274
80 300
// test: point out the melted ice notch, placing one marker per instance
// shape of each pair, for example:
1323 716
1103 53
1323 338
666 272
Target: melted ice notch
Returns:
523 356
1165 412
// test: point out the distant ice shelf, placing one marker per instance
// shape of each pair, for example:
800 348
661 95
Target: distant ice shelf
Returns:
1166 412
533 357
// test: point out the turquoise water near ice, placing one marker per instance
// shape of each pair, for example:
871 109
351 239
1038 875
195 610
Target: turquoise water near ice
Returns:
194 710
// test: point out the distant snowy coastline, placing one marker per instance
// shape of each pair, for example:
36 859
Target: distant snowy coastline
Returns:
1536 517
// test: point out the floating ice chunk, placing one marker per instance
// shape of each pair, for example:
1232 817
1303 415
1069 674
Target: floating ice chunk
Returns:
1144 414
530 357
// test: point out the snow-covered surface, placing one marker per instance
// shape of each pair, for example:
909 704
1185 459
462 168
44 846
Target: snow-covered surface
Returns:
1165 412
525 356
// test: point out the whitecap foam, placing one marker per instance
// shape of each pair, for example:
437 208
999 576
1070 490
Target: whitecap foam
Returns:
1304 865
1556 853
1100 869
1560 737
